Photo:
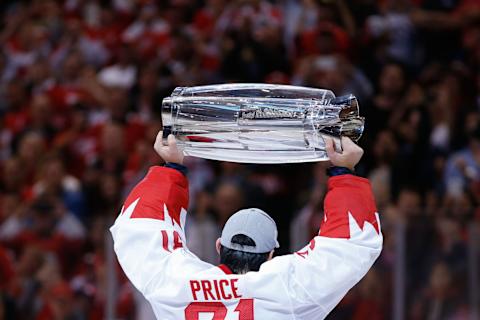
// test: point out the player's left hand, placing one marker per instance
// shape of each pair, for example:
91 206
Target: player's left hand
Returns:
350 156
169 152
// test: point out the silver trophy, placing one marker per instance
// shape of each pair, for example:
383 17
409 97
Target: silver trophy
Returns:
259 123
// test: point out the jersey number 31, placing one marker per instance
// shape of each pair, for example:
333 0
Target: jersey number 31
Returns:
219 310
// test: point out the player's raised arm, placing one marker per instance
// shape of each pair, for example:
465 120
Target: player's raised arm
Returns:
349 241
150 226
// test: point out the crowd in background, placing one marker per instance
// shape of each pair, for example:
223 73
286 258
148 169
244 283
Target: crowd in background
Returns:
81 84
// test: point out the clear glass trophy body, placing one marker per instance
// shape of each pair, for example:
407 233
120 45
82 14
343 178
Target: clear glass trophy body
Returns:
259 123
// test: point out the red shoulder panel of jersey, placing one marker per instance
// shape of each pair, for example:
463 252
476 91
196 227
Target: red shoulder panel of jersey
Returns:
159 187
348 194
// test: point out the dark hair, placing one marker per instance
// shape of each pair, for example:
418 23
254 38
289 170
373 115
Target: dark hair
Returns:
240 261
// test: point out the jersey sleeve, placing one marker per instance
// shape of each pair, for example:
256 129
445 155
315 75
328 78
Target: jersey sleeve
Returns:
318 276
148 234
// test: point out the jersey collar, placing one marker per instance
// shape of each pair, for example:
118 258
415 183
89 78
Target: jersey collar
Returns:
225 269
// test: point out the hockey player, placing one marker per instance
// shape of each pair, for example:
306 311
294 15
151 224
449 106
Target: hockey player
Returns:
150 242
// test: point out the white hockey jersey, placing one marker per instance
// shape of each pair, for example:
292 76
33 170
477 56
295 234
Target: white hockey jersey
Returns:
150 245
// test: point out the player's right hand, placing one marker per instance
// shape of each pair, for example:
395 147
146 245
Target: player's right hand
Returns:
350 156
168 152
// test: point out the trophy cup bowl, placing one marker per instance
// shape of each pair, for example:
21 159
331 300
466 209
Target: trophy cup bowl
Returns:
259 123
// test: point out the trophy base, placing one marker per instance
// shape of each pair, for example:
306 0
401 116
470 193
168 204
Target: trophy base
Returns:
259 157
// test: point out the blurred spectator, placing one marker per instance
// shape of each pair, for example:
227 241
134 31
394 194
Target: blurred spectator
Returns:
54 181
122 74
305 225
392 32
383 151
227 199
392 86
252 43
462 168
30 148
441 297
202 229
148 32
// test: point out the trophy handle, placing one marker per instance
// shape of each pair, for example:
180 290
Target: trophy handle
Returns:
351 124
348 104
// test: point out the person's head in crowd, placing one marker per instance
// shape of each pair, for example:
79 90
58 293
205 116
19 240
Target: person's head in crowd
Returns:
50 9
409 202
125 56
60 301
110 190
183 46
433 203
440 280
472 121
107 15
393 80
326 10
450 232
442 289
118 104
10 205
79 118
227 199
96 233
331 72
148 80
461 207
113 141
142 155
148 13
203 205
73 29
431 74
72 67
326 42
38 73
31 148
44 214
51 175
384 148
474 140
16 96
13 182
27 36
41 111
447 95
384 151
458 80
49 274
